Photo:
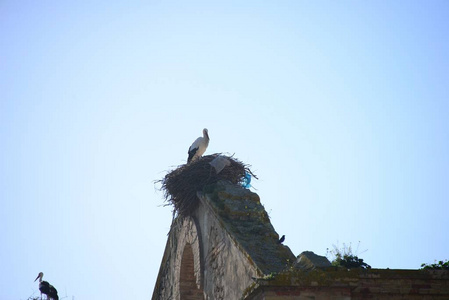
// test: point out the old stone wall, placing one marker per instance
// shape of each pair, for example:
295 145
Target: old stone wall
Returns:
203 261
227 270
357 284
180 269
228 249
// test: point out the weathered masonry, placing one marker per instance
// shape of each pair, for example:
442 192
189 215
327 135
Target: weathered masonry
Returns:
228 249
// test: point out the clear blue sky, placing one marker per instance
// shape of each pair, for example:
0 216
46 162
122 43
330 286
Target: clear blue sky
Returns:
341 107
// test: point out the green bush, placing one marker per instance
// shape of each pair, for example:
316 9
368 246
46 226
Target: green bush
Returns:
436 266
345 258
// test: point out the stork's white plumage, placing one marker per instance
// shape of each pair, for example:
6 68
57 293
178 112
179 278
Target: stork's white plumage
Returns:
199 146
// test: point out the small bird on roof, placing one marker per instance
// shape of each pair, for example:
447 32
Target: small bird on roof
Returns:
281 240
199 146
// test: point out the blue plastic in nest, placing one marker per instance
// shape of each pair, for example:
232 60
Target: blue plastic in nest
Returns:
246 182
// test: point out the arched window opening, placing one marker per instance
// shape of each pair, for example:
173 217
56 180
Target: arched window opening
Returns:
187 281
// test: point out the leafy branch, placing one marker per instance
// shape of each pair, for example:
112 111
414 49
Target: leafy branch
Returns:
344 257
441 265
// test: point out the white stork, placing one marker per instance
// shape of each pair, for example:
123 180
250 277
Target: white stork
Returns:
199 146
46 288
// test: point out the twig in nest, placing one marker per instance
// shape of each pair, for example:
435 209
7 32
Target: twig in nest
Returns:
181 185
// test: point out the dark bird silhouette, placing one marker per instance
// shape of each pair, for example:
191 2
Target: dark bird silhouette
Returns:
281 240
199 146
53 293
46 288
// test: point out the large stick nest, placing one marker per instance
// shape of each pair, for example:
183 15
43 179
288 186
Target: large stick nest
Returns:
181 185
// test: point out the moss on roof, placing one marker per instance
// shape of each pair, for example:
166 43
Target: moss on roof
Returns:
389 279
246 220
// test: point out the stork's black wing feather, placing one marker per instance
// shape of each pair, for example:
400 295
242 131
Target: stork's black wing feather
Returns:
44 287
192 153
53 293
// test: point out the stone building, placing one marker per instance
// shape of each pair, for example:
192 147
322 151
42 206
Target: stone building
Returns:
228 249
